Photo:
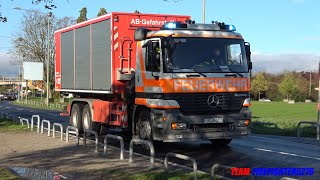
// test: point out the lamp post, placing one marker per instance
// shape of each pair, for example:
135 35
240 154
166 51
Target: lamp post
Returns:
48 44
203 11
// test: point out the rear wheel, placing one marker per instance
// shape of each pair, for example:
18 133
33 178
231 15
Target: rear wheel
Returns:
87 122
221 142
76 116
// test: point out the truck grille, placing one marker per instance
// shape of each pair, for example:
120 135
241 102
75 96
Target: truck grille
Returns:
197 103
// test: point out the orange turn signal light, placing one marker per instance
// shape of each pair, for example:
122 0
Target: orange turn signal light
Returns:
247 122
174 125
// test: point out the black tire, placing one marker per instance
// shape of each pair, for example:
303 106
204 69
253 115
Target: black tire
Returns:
221 142
76 116
144 125
87 120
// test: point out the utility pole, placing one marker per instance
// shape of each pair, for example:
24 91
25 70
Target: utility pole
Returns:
48 57
318 127
310 85
203 11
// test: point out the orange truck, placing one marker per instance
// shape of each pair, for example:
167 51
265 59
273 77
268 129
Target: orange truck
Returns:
160 77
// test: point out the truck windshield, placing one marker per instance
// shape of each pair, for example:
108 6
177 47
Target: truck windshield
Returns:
208 55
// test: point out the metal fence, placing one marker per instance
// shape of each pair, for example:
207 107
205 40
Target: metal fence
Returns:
38 124
76 132
139 141
88 132
24 120
54 130
113 137
183 157
49 126
313 124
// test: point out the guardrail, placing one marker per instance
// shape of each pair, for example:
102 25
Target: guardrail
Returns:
214 167
314 124
76 132
49 127
88 132
24 120
113 137
38 124
54 130
183 157
139 141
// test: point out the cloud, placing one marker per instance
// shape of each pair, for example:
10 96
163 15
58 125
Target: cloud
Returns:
6 69
278 63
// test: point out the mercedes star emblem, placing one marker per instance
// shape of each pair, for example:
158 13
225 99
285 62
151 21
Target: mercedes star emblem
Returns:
213 101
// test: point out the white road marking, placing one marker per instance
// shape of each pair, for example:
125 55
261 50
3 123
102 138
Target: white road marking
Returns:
285 153
8 107
19 109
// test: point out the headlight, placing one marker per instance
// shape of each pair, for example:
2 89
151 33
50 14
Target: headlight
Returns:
179 125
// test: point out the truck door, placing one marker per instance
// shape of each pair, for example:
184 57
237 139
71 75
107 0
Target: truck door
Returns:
153 63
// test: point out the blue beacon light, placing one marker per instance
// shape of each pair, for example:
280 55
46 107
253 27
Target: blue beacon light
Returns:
171 25
232 28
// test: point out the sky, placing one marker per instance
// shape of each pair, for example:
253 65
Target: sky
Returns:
284 34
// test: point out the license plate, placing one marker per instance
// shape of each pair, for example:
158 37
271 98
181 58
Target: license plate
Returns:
212 120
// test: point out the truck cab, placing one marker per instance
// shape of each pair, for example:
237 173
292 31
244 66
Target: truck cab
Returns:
194 81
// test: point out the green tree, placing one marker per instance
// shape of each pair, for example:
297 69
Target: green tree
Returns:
289 85
83 15
259 84
101 12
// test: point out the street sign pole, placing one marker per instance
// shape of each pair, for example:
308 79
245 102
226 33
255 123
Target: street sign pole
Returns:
318 127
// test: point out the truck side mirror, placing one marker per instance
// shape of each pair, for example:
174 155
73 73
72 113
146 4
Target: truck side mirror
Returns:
250 65
248 51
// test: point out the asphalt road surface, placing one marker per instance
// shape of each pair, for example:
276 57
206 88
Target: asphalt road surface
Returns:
254 151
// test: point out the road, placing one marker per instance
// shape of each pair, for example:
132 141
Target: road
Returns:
254 151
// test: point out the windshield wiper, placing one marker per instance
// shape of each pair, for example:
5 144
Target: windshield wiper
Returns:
233 74
229 73
194 75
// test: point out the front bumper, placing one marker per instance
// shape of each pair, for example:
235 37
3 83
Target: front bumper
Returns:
230 128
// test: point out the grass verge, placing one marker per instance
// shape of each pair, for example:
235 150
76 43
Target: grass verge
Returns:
155 175
5 174
9 125
279 118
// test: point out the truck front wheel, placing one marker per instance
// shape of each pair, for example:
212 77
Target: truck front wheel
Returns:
221 142
144 126
76 116
87 122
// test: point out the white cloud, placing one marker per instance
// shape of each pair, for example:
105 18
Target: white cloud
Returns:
6 69
277 63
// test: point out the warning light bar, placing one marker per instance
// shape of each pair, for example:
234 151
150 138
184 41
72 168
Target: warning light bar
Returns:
215 26
174 25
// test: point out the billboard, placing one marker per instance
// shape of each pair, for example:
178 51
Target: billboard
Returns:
33 71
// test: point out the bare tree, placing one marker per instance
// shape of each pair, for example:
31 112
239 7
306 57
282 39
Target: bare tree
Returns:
31 38
48 5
